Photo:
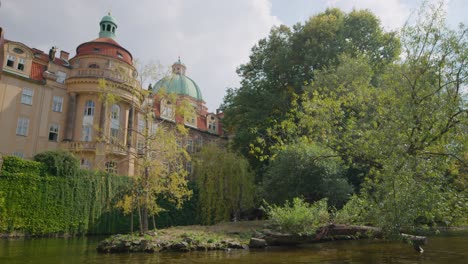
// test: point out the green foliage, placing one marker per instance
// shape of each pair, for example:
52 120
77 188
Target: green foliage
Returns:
14 165
185 215
309 171
58 162
225 183
408 129
299 217
262 113
41 205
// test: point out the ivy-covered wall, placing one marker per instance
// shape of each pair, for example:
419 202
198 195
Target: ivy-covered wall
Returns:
35 203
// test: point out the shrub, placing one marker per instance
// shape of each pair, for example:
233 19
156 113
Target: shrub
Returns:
15 165
58 162
299 217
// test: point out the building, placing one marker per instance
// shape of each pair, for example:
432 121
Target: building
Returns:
49 102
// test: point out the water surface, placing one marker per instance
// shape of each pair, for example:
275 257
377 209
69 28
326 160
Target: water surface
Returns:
441 249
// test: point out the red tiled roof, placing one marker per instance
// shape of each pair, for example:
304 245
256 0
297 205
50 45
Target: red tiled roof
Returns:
36 71
105 46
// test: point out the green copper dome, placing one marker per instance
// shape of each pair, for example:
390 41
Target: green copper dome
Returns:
108 18
179 83
108 25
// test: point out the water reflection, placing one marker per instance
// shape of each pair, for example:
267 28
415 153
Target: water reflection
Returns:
445 249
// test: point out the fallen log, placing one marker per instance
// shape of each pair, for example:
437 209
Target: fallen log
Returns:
332 232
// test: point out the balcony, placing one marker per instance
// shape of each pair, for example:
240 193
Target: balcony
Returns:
78 146
111 75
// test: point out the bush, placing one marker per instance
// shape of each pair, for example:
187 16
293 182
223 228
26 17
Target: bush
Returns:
299 217
59 162
15 165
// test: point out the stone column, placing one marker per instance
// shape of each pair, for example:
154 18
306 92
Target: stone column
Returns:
130 126
71 117
102 120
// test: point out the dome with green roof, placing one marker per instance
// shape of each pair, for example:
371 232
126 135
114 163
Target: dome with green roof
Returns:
179 83
108 26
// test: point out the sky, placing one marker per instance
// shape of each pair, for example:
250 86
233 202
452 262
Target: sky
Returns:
212 37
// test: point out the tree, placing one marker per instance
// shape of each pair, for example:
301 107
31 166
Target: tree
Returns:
225 184
308 171
159 155
263 112
407 129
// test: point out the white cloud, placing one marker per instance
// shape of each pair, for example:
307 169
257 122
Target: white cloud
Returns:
212 37
392 13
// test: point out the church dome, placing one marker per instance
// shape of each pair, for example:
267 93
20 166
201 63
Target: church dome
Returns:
106 44
179 83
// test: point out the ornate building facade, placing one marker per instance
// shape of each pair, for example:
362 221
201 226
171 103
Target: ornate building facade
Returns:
52 102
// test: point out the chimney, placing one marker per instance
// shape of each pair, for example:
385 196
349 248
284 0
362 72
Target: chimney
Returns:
64 55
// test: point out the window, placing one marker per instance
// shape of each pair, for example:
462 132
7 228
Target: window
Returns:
119 55
85 164
188 167
96 49
57 104
167 110
94 66
86 133
190 145
141 124
27 96
18 154
53 132
154 128
18 50
115 121
10 61
21 64
89 108
111 167
61 76
22 126
140 146
212 126
108 28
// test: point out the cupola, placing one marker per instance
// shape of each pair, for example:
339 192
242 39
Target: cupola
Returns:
108 26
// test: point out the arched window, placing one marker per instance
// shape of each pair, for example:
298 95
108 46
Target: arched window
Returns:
212 124
167 110
111 167
108 28
103 27
113 29
115 120
94 65
89 108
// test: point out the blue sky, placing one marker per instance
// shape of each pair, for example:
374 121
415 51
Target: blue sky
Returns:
212 37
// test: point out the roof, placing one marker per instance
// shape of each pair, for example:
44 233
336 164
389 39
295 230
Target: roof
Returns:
106 47
108 18
179 84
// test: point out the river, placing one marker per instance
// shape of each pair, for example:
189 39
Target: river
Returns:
440 249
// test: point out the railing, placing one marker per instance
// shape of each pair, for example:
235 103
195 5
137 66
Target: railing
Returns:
104 73
115 149
81 146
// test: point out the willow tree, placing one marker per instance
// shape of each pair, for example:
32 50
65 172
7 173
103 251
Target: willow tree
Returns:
225 184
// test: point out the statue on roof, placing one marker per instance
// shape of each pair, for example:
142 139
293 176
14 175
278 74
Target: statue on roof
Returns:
52 52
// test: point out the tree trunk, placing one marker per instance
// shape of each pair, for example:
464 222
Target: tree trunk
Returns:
140 220
144 217
154 223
